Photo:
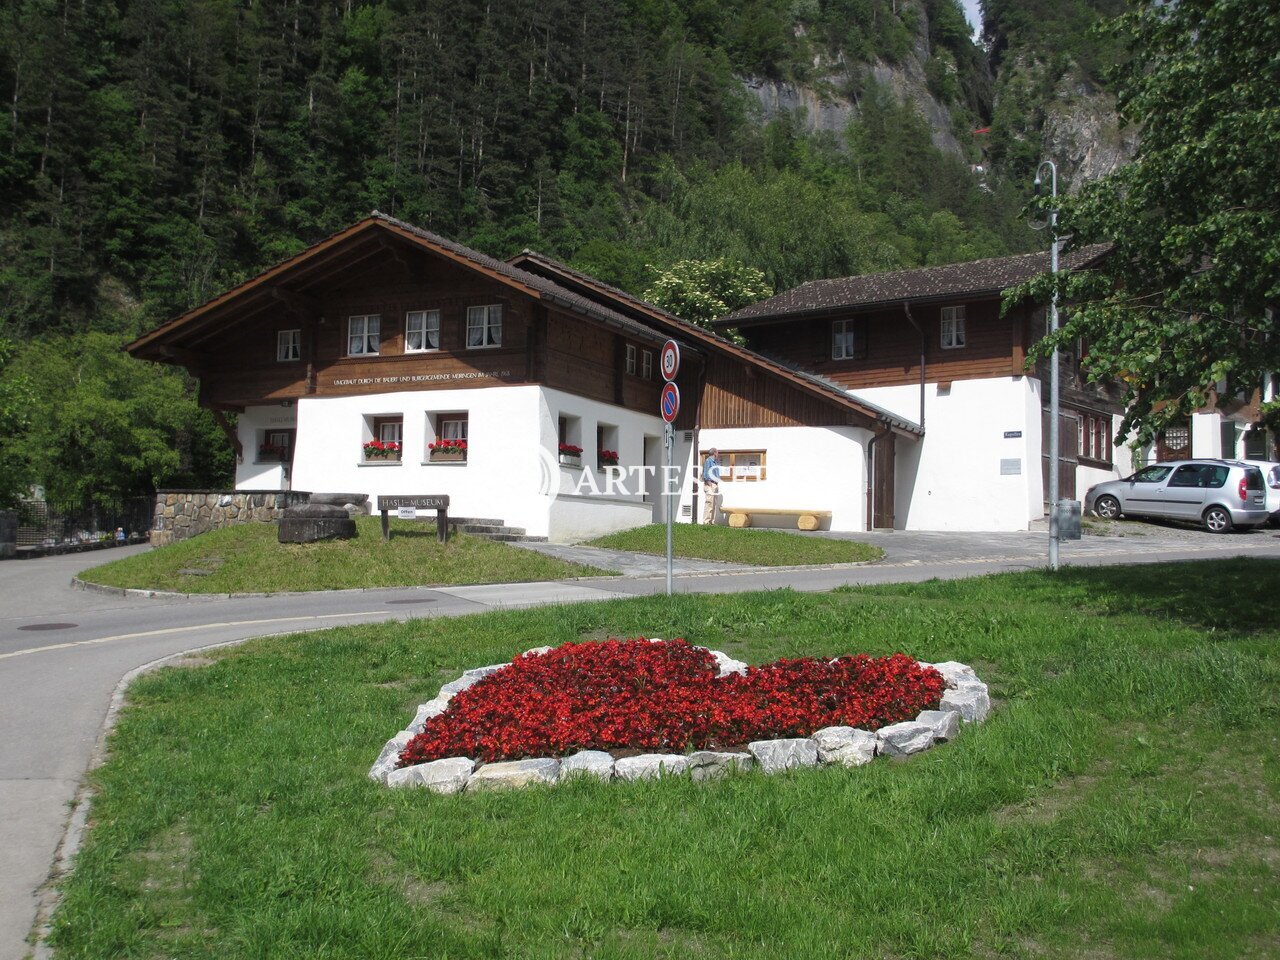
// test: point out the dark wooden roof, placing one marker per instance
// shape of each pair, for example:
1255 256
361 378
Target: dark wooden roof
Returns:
283 278
955 281
672 325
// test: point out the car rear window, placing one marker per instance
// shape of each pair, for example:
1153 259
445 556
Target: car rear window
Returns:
1253 479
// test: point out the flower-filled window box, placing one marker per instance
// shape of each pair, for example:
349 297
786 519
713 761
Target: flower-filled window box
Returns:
608 458
270 453
571 454
381 450
447 451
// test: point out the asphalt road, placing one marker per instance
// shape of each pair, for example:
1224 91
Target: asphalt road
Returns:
63 651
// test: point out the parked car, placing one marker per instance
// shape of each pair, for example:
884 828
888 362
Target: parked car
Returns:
1220 494
1271 476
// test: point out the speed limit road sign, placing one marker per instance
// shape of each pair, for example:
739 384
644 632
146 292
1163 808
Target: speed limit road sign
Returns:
670 360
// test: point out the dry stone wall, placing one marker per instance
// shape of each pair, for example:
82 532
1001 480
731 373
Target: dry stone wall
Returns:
181 514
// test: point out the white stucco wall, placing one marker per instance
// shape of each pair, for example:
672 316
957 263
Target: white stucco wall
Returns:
806 468
952 480
250 426
511 473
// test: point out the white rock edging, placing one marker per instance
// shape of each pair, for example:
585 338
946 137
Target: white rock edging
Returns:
965 700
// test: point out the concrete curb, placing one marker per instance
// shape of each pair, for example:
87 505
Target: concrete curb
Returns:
49 895
79 584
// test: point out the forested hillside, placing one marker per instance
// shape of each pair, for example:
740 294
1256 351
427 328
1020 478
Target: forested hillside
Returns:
157 151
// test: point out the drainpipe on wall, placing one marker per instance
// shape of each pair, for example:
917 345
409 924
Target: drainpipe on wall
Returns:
906 308
695 516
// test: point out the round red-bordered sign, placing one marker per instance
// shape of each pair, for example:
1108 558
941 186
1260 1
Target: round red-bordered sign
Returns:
669 360
669 404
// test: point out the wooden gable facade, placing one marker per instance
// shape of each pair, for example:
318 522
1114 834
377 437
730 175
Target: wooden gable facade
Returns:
239 344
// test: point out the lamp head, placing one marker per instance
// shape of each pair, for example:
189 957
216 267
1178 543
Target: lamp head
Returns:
1037 185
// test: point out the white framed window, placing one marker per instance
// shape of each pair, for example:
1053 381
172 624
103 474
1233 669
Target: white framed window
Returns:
631 359
453 426
848 340
364 335
421 331
484 327
288 345
646 364
952 328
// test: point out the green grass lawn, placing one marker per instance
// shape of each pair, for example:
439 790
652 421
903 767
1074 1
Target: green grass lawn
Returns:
1122 801
764 548
248 558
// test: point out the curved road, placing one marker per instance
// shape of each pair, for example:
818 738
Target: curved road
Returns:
64 651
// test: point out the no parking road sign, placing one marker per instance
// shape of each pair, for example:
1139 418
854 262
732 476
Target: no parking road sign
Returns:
670 402
670 360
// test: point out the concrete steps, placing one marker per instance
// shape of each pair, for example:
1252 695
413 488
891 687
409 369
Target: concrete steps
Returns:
491 529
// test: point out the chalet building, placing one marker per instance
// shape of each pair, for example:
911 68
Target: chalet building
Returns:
932 346
388 360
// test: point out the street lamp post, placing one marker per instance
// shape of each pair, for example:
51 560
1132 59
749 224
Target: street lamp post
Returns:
1054 439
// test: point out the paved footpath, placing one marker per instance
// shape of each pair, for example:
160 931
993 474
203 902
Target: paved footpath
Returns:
63 652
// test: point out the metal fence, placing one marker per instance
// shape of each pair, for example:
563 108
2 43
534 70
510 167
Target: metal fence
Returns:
54 524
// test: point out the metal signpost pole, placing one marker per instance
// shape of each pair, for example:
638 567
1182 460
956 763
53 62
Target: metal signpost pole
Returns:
670 511
1054 438
669 407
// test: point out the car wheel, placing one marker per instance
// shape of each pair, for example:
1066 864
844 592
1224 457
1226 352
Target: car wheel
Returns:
1217 520
1108 508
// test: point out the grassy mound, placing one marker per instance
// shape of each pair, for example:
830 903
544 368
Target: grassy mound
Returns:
249 559
761 548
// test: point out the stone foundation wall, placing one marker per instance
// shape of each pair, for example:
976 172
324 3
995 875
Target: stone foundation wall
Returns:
184 513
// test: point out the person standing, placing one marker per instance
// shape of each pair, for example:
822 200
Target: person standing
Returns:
710 485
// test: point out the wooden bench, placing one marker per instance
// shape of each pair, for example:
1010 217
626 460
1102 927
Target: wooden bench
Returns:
805 519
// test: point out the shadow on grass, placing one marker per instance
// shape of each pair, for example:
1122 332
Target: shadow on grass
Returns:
1237 594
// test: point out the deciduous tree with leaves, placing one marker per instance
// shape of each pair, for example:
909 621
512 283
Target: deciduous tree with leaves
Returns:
704 290
1189 296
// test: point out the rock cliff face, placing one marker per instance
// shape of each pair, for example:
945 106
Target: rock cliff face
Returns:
824 106
1082 135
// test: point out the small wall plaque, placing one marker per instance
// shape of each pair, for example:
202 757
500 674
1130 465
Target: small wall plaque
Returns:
1011 467
1013 434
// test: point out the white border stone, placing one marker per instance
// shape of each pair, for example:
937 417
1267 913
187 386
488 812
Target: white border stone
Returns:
965 700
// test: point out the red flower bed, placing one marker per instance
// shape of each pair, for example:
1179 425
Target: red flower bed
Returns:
665 696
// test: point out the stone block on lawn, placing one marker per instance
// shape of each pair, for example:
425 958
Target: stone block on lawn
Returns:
970 700
712 764
314 529
945 723
952 672
511 774
649 765
774 756
538 650
428 711
587 763
845 745
389 756
449 775
901 739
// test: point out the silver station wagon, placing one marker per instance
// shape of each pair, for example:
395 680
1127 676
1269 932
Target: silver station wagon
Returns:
1221 494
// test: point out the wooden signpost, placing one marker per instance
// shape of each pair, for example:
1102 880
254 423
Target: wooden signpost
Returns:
407 508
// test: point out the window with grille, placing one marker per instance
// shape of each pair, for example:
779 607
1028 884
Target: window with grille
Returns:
848 340
364 335
421 331
288 345
1095 438
484 327
952 328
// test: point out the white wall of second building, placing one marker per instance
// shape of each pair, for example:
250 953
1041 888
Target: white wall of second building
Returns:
252 427
592 500
805 468
978 465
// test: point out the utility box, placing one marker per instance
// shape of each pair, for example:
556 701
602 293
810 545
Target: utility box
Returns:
1068 519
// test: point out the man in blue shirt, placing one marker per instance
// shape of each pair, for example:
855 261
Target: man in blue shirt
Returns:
710 485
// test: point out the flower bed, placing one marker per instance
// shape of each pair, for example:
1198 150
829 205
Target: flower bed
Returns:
633 694
673 697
